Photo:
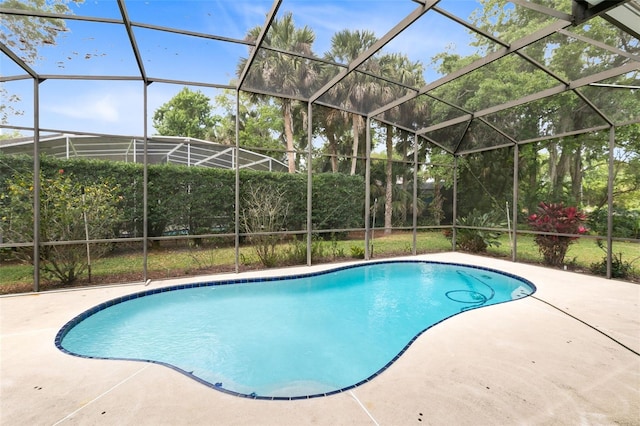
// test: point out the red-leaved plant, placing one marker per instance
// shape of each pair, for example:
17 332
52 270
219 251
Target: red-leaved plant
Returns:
554 217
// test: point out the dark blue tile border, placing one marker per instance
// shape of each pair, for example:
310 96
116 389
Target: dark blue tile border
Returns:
73 322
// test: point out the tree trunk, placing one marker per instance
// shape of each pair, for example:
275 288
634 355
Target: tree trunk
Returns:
529 163
438 214
553 163
562 170
288 133
576 172
356 136
558 167
333 151
405 184
388 196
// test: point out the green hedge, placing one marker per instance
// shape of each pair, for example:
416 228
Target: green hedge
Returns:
197 200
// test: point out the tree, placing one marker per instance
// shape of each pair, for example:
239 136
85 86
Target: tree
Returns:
7 109
401 69
626 172
332 125
569 58
258 116
289 73
401 195
346 46
439 170
26 35
187 114
553 170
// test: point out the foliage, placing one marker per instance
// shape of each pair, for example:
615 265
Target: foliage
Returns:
619 267
400 195
331 124
626 223
487 179
362 89
439 170
121 265
336 251
357 252
64 205
187 114
28 34
555 218
477 240
435 208
7 109
206 254
259 122
198 200
401 69
127 176
296 252
337 201
264 214
194 200
292 74
562 168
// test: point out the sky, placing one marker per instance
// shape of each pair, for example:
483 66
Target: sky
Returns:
103 49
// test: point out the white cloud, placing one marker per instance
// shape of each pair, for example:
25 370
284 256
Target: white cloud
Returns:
101 108
88 107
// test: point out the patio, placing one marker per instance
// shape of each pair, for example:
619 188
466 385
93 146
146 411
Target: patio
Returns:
525 362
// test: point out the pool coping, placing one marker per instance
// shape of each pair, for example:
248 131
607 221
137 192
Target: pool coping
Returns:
519 363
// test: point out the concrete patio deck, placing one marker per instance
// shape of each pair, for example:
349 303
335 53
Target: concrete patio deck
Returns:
567 355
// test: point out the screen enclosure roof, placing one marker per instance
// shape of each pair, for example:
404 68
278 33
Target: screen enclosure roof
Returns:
160 150
581 55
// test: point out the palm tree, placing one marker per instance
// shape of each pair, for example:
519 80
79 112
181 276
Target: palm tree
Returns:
400 69
346 46
336 130
277 71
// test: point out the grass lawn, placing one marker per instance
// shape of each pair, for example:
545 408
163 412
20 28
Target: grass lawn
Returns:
581 254
172 260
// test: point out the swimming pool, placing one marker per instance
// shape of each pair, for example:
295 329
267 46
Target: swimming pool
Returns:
290 337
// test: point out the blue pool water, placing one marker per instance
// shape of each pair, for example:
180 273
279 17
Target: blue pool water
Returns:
291 337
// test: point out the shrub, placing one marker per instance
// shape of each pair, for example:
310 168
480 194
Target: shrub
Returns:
626 223
619 268
64 206
264 212
477 240
336 252
338 202
296 253
555 218
357 252
201 200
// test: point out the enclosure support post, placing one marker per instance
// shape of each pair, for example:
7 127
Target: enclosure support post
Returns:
612 146
145 191
367 189
237 188
309 180
455 202
36 185
514 207
414 248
